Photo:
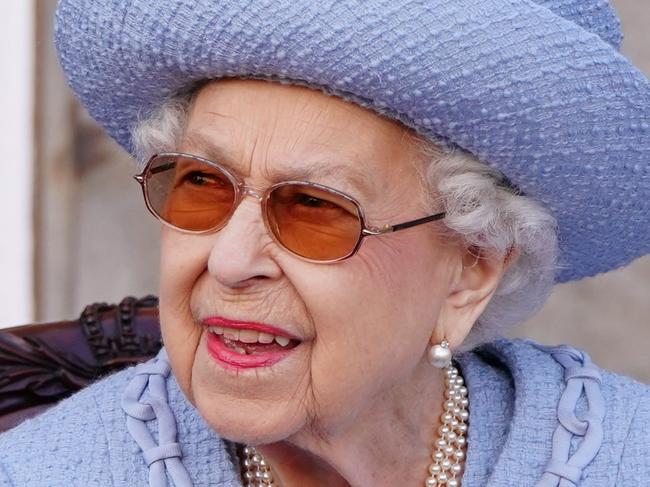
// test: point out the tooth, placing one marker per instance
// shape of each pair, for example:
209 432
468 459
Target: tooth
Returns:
265 338
231 334
248 336
240 350
217 330
282 341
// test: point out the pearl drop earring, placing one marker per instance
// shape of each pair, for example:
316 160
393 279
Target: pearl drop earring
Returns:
440 355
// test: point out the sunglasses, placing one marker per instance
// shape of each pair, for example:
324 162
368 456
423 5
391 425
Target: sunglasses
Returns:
314 222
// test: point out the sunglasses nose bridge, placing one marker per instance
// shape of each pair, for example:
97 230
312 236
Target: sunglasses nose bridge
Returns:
248 191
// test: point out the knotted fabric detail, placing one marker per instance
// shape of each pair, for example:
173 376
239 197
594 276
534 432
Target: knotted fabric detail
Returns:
165 456
580 376
162 452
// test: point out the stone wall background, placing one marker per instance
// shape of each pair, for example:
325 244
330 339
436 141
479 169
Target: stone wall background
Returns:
96 242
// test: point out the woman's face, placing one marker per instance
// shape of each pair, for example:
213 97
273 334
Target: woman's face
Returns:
363 324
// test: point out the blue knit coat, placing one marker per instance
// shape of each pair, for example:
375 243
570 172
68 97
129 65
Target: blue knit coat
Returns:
524 402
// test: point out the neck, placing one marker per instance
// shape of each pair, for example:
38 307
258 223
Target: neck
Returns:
389 443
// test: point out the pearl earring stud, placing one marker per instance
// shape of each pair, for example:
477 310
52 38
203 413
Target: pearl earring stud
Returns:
439 355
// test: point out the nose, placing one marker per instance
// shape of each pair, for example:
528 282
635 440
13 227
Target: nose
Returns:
240 256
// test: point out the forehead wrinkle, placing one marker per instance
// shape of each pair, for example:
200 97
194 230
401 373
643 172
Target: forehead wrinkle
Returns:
221 115
201 145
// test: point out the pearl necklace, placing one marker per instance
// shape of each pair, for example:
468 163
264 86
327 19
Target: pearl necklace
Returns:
448 450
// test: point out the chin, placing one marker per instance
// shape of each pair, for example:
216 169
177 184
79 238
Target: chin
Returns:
246 424
253 406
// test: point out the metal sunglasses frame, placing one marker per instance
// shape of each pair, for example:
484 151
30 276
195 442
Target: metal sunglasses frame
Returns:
241 190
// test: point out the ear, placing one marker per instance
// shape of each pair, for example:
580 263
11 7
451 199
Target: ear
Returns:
476 279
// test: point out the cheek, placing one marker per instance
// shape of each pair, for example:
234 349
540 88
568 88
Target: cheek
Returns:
183 260
393 284
373 317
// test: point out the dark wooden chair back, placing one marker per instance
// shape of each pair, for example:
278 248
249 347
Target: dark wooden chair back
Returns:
44 363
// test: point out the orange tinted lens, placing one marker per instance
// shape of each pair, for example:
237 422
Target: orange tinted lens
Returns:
188 193
313 222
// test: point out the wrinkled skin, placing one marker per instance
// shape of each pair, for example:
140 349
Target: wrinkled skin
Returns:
357 402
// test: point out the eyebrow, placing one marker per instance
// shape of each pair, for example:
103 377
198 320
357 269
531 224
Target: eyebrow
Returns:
313 171
209 150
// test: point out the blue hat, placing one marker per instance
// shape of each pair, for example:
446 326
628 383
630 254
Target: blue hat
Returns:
536 89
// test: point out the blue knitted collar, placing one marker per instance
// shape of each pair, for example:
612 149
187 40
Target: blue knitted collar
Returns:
154 404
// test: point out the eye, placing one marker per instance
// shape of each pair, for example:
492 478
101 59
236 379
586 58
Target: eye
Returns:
201 178
314 202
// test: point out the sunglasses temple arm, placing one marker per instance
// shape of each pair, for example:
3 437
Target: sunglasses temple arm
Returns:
164 167
405 225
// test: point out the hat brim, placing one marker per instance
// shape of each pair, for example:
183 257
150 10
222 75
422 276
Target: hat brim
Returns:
553 106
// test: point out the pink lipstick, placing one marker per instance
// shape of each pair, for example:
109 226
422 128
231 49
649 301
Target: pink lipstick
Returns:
245 345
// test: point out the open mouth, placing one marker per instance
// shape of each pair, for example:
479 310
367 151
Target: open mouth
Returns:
252 342
238 345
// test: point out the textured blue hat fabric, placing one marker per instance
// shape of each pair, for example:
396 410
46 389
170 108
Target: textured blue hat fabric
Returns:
536 89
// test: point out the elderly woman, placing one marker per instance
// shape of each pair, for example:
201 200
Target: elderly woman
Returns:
351 193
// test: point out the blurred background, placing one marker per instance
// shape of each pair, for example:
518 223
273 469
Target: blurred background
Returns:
76 230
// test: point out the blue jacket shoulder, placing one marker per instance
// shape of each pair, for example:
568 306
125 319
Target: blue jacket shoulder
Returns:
67 444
